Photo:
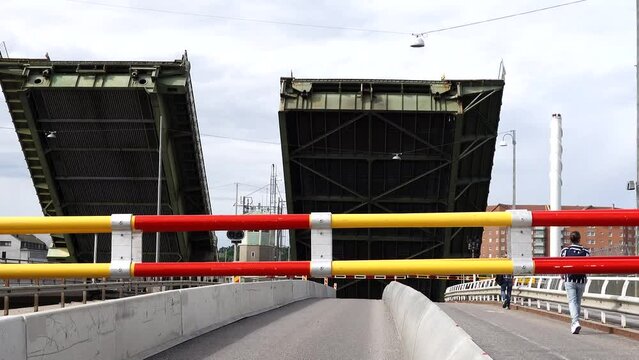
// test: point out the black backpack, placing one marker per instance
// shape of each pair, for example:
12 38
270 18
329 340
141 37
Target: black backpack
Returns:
499 279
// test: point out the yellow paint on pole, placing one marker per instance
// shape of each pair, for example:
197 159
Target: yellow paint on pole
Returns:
423 267
460 219
55 224
40 271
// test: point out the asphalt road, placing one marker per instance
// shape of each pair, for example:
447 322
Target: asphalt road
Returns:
310 329
510 334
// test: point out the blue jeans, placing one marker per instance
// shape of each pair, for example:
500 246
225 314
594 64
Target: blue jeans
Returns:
506 290
574 291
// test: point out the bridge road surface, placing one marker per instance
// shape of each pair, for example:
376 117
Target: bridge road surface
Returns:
512 334
309 329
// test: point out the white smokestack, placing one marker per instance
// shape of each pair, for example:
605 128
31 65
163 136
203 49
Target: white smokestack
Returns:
555 180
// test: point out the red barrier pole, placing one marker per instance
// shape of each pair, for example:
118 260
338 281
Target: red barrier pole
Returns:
587 265
173 223
262 268
585 218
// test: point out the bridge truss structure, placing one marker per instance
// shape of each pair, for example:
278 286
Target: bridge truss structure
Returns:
91 132
363 146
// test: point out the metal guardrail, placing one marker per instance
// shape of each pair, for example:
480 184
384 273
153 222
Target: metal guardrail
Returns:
66 287
619 295
21 261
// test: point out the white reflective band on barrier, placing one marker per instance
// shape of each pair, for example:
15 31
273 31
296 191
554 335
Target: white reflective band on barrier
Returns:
521 218
523 266
123 250
120 269
321 268
321 237
321 220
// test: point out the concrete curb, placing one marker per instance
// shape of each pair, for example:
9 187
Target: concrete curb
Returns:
425 331
141 326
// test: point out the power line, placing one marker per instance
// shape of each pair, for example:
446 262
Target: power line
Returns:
241 139
499 18
318 26
148 129
220 17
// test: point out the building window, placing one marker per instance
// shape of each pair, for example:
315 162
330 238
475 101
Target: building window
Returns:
32 246
503 232
252 254
503 248
5 243
490 255
590 233
503 240
609 234
490 240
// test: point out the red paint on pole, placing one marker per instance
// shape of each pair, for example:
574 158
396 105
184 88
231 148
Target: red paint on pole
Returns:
586 218
262 268
173 223
587 265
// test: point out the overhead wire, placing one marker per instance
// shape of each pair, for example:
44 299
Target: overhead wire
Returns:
498 18
320 26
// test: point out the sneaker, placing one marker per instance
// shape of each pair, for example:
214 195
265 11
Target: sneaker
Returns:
576 329
504 304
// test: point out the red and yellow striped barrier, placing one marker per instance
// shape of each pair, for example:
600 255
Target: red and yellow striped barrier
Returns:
364 268
360 268
176 223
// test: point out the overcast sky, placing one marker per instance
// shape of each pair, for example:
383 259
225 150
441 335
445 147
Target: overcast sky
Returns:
576 60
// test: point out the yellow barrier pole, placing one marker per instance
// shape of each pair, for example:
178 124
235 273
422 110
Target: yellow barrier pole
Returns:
422 267
55 225
40 271
460 219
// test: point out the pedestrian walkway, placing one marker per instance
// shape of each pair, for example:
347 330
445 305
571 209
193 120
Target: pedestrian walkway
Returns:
512 334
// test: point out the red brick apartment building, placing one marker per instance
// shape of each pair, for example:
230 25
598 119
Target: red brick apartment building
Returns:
601 240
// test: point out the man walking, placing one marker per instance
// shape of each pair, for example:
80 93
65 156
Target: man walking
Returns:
575 283
506 285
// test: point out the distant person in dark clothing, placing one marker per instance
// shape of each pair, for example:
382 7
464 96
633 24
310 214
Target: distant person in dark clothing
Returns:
575 283
506 283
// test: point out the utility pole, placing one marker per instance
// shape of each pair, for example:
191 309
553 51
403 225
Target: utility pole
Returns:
236 196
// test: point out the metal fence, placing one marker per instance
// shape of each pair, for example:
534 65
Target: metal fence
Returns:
93 289
605 295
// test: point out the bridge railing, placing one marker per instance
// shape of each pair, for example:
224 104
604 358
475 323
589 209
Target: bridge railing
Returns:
92 289
618 295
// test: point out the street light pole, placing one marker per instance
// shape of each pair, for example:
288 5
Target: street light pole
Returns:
513 136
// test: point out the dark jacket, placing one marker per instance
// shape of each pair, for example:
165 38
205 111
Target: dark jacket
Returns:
575 250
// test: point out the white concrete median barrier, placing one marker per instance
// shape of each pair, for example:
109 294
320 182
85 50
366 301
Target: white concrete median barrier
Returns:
12 338
425 331
138 327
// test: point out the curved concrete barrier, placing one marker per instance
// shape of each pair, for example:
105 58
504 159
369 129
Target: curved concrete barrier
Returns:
141 326
425 331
